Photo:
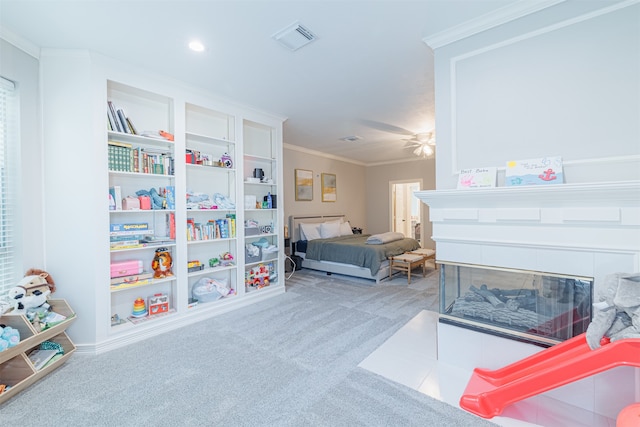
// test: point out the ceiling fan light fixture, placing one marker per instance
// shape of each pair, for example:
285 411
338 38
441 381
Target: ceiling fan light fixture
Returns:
294 36
425 143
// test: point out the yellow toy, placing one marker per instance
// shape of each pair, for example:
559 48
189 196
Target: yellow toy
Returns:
162 263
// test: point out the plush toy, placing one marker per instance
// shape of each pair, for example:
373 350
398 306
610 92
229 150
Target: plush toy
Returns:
9 337
39 278
22 302
162 263
617 314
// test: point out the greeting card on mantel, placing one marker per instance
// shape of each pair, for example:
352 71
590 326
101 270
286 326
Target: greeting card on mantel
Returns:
543 171
477 178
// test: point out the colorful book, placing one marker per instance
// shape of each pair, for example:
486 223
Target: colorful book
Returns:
112 111
116 194
133 227
40 358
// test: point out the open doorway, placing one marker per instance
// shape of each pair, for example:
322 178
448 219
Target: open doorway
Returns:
406 210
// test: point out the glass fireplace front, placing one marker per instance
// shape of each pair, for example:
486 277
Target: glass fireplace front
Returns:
530 306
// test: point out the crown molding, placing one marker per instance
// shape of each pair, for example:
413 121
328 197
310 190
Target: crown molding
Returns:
19 42
487 21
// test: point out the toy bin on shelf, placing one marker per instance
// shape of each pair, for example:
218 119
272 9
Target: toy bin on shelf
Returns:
249 258
16 370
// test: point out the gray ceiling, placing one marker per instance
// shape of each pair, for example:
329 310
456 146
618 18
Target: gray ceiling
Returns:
369 73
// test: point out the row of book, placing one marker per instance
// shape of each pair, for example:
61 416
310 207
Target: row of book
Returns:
118 121
124 157
223 228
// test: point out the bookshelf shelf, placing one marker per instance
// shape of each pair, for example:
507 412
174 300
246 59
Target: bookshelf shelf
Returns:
208 139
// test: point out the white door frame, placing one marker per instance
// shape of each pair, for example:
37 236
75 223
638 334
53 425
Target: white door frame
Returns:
391 202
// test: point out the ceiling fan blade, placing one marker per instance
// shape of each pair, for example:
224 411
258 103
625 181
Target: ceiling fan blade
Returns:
385 127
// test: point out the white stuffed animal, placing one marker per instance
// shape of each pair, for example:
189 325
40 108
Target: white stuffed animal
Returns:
617 315
23 302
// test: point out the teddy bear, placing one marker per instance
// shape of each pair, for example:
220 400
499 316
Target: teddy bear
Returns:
617 314
162 263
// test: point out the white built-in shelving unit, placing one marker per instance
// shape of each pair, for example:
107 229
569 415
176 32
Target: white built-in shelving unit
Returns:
76 90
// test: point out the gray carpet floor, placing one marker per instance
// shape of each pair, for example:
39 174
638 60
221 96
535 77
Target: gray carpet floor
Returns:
288 361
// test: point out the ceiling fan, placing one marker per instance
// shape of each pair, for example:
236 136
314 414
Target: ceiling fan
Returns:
423 144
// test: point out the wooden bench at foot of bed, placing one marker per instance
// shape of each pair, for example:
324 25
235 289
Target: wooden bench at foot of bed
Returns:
408 261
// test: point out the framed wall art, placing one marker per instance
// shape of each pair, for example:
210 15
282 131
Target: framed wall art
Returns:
329 193
304 185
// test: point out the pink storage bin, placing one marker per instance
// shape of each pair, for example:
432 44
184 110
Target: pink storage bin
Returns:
126 268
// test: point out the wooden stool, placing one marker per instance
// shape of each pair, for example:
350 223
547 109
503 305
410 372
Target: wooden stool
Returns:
406 262
427 254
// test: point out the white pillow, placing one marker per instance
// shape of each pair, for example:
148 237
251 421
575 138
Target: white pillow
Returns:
345 229
329 229
310 231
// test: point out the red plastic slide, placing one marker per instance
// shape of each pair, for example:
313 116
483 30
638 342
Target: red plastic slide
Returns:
489 392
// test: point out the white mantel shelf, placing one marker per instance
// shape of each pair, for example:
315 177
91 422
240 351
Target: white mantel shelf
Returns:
593 217
607 194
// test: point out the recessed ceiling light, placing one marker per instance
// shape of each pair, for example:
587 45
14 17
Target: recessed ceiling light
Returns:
196 46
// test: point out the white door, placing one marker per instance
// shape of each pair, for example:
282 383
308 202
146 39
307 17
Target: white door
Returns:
405 208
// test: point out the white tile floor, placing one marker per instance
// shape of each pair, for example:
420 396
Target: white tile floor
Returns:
409 357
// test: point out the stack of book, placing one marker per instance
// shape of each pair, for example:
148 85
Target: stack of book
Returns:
129 235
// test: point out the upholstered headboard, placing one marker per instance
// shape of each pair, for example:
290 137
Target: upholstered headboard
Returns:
296 220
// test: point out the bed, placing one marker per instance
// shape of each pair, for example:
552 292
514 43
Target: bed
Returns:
347 253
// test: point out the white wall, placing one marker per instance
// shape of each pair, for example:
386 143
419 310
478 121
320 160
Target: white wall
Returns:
378 197
562 82
22 68
350 184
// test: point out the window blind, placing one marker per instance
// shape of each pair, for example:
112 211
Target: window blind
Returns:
8 184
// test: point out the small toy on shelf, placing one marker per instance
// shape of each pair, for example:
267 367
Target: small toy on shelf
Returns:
194 265
139 308
162 263
226 160
257 277
158 303
226 259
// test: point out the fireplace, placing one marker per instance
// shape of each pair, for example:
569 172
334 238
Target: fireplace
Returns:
530 306
568 232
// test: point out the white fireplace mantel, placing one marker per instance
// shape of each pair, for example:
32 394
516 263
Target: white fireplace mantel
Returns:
609 194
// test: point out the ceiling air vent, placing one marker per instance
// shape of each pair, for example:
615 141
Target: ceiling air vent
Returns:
294 36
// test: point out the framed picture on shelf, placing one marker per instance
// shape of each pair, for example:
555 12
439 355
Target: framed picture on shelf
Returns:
304 185
329 187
